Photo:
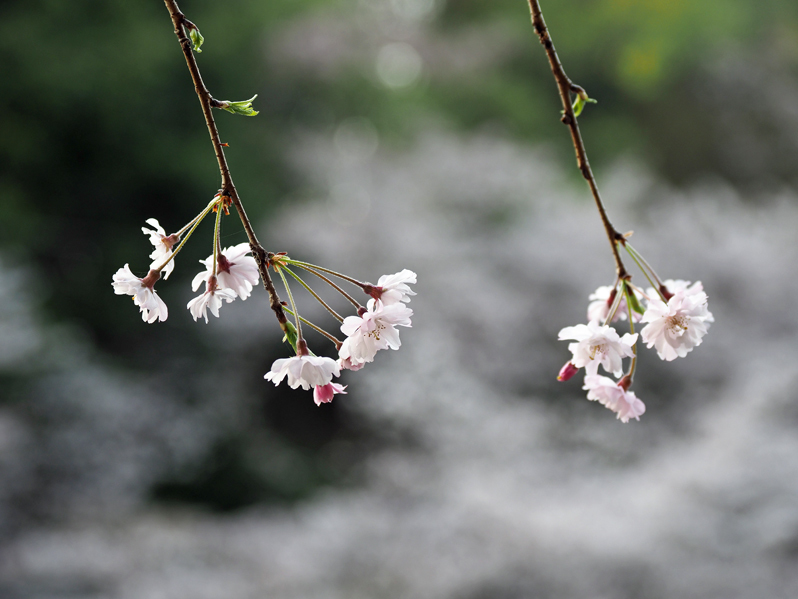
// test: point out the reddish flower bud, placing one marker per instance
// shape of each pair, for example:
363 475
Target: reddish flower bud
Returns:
567 372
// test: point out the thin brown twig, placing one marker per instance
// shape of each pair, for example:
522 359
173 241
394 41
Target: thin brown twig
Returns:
566 87
228 188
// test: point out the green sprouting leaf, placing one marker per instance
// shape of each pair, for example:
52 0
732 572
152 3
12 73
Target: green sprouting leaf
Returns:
290 334
244 107
634 302
196 38
579 104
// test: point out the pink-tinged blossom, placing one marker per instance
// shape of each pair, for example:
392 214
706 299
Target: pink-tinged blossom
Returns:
236 271
347 364
613 396
152 307
674 286
306 371
392 289
163 246
598 344
211 299
324 393
374 330
675 328
601 301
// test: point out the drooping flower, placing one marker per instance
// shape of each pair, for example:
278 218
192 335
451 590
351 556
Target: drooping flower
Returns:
675 328
601 301
392 289
163 246
598 344
236 271
612 395
372 331
211 299
307 371
324 393
143 291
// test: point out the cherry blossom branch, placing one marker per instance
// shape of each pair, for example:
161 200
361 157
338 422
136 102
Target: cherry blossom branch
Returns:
566 87
207 102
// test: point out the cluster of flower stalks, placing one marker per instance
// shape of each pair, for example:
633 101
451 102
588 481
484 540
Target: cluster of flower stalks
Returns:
676 319
230 273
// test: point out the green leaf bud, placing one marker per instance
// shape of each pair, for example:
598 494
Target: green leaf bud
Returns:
244 107
196 38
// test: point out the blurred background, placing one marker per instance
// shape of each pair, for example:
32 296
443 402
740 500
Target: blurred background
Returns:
153 461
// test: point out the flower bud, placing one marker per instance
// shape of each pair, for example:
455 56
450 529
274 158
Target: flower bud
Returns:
567 372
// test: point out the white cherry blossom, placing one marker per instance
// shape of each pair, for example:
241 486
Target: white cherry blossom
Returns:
598 344
163 246
324 393
676 285
675 328
394 288
211 299
236 271
613 396
305 371
152 307
373 331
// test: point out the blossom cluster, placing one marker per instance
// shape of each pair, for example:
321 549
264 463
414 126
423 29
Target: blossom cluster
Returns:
234 277
372 329
676 319
231 273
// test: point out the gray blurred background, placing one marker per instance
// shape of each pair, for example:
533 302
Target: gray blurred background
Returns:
153 461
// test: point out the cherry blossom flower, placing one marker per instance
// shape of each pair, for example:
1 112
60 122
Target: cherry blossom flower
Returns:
307 371
373 330
392 289
163 246
677 327
211 299
612 395
324 393
601 301
598 344
676 285
152 307
236 271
